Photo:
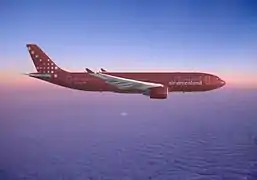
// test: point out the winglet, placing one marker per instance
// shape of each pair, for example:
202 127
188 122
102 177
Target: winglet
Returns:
103 70
89 71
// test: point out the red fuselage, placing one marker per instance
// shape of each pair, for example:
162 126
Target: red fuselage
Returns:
175 81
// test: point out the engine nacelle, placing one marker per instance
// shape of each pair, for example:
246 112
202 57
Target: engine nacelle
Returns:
157 93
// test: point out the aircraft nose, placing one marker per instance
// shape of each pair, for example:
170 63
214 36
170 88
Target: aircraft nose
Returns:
222 82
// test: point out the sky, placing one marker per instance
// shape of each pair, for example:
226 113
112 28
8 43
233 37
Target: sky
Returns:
132 35
51 132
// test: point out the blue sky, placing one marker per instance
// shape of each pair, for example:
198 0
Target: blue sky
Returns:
215 36
54 132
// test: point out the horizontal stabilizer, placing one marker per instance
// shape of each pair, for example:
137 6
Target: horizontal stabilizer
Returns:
40 75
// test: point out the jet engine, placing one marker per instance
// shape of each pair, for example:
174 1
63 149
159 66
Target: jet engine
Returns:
157 93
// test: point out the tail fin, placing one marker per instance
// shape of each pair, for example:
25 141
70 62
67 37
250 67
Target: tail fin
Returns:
42 62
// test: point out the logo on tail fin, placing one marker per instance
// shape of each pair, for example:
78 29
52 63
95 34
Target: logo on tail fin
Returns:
41 61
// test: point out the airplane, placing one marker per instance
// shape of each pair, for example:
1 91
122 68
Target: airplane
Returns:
155 85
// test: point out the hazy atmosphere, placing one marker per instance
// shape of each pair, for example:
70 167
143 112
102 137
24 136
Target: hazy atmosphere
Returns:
214 36
50 132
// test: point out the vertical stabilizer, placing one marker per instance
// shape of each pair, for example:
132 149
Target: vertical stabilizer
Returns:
42 62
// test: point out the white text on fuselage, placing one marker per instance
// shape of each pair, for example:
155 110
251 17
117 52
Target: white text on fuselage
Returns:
185 83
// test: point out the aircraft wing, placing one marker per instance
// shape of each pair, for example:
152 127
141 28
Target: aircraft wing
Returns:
125 83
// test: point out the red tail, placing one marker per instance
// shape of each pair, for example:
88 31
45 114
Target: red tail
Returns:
41 61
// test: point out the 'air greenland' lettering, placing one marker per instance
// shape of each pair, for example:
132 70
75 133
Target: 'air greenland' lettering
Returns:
185 83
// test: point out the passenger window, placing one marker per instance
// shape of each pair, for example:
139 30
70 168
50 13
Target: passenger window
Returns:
176 78
196 79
